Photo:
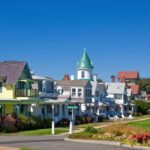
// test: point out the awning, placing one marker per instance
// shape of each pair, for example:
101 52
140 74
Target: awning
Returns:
59 101
14 101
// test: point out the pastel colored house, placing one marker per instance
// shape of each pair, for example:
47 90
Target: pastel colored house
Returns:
16 92
118 93
131 78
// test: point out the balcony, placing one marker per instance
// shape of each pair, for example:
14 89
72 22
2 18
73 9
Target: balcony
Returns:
47 95
26 93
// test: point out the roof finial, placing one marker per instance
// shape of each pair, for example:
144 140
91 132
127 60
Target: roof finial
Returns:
84 49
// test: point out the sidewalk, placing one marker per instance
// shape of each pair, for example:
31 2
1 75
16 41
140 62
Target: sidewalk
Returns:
8 148
105 124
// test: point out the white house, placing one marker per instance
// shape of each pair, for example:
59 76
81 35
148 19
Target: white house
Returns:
118 93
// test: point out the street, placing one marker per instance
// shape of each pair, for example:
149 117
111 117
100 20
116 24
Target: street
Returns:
53 143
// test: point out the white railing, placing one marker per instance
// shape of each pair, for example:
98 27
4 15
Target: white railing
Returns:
47 95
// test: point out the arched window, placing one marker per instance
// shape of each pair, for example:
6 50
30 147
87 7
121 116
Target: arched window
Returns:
82 74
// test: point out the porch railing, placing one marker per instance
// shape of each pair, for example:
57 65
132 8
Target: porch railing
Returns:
26 93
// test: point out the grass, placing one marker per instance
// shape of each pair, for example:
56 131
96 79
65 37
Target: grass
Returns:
38 132
145 124
107 122
43 131
25 148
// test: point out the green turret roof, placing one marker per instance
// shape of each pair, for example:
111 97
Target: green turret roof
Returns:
85 62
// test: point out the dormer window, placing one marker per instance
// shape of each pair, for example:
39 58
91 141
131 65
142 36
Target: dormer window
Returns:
83 74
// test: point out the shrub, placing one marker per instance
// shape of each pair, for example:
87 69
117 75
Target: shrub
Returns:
63 122
78 120
142 106
89 119
100 118
42 122
25 123
9 124
90 129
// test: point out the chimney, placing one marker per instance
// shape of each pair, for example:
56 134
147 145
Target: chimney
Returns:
95 77
113 78
123 80
72 77
66 77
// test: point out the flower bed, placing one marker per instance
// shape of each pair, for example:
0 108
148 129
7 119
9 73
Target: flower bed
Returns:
121 132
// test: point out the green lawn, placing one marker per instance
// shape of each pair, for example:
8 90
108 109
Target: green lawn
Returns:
43 131
143 124
25 148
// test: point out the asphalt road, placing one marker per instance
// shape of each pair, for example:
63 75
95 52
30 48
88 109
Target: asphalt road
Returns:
61 145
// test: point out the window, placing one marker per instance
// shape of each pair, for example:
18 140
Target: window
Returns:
97 93
74 92
49 109
62 91
59 91
88 93
118 96
82 74
0 87
56 110
79 92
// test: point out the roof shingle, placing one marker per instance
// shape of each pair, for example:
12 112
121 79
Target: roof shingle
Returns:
11 70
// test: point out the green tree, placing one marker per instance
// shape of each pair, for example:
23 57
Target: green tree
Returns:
142 106
145 85
99 80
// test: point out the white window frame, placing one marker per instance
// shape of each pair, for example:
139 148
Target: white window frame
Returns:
82 74
80 92
73 94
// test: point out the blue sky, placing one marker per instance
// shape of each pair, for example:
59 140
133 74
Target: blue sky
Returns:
51 35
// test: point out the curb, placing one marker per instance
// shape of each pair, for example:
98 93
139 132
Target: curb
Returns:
93 141
27 141
107 143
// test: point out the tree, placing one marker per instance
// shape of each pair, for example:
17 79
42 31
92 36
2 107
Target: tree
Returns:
142 106
99 80
145 85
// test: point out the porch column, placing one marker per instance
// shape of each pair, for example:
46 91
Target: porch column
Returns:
80 111
91 108
60 111
27 88
18 109
98 111
53 122
66 110
122 109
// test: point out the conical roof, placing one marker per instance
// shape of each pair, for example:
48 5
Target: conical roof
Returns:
85 62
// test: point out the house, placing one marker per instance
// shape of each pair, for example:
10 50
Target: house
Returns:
131 78
118 93
77 93
16 91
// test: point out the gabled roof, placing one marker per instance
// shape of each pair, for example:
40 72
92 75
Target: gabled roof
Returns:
78 83
135 89
116 88
11 70
128 74
85 62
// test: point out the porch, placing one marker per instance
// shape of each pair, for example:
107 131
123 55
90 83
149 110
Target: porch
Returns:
24 88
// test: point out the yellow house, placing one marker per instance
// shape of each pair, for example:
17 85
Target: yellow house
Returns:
16 90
